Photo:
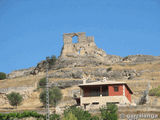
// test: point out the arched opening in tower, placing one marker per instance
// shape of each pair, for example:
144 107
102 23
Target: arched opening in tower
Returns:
75 39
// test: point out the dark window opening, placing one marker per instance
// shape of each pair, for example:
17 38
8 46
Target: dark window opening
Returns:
115 88
104 90
91 91
75 39
94 92
95 103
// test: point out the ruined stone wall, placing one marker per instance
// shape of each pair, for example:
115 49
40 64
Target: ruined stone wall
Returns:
84 47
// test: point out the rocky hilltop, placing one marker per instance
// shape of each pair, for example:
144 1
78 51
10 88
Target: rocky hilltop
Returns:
83 59
85 53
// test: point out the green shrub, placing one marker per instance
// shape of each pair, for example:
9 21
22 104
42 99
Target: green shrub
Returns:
109 69
79 113
42 83
51 60
55 96
69 116
2 75
155 92
15 99
109 112
12 116
54 117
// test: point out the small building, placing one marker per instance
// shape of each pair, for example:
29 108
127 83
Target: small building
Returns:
96 94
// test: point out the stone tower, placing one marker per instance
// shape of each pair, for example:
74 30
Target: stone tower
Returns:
84 47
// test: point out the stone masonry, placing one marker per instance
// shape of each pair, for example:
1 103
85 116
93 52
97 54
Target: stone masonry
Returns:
83 53
85 46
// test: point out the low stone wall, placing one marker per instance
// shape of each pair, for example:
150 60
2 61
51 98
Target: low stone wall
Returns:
16 89
20 73
102 100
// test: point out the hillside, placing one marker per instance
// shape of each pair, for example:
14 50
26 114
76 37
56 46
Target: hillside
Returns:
83 59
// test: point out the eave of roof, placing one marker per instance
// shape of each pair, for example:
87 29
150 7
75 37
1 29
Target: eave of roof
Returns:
102 83
106 83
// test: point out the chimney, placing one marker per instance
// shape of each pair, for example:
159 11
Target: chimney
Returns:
84 80
104 79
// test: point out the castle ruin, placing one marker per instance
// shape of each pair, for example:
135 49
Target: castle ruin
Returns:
83 53
84 47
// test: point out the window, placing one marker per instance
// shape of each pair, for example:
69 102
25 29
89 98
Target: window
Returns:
95 103
115 88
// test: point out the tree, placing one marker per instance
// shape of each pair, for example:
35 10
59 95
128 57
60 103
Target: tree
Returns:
2 75
155 91
42 83
51 60
69 116
55 96
15 99
109 112
79 113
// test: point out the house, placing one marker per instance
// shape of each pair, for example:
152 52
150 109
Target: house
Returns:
96 94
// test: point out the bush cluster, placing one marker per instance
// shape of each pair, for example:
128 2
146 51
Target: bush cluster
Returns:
55 96
155 92
12 116
51 60
2 75
42 83
14 98
72 113
75 113
109 112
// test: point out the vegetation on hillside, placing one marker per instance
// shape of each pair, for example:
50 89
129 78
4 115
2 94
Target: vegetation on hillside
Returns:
42 83
14 99
109 112
155 92
51 60
25 114
2 76
72 113
69 116
78 114
55 96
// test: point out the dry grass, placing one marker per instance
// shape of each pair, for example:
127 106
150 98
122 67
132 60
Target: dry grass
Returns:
21 81
138 85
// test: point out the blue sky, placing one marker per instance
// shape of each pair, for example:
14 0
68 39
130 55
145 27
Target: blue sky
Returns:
30 30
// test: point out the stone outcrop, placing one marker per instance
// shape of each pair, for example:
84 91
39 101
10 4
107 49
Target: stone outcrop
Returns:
95 73
20 73
24 91
83 53
41 67
16 89
137 59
